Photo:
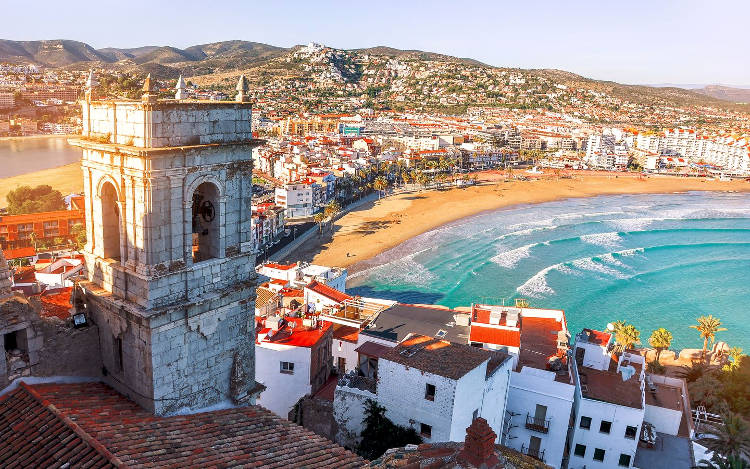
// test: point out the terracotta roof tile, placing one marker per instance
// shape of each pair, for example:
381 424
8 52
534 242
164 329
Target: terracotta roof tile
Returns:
240 437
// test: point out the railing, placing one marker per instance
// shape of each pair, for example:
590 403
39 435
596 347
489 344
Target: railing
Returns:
537 424
534 453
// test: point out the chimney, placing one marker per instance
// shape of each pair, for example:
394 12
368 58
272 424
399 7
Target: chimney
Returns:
479 446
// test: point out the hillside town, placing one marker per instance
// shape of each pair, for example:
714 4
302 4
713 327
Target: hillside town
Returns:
153 321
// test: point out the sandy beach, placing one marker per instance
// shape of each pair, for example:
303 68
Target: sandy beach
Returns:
378 226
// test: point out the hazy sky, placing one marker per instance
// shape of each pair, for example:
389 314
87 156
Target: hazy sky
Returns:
631 42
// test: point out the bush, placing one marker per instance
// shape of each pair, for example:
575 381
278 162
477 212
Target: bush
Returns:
654 367
380 434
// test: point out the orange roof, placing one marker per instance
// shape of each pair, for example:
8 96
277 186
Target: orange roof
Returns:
492 335
19 253
299 336
271 265
327 291
41 216
56 303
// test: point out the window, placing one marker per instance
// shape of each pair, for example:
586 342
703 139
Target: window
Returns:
11 341
580 450
425 430
586 423
605 426
624 460
287 368
631 432
429 392
598 454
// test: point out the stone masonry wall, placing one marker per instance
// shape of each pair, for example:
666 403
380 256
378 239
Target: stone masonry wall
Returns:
166 124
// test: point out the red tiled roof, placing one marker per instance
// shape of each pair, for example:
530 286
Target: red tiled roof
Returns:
19 253
492 335
56 303
47 425
34 433
347 333
328 292
373 349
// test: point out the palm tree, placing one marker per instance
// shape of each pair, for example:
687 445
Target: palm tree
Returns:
693 372
730 438
735 358
660 339
717 462
626 335
708 326
380 184
319 219
331 210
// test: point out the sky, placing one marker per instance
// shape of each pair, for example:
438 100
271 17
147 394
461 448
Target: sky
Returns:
647 42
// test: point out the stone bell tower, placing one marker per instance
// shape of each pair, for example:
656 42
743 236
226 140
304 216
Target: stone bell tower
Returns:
170 268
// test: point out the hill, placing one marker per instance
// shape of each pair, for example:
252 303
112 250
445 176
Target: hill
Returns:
726 93
52 53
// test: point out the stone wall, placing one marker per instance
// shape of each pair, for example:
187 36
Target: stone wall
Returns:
316 415
167 124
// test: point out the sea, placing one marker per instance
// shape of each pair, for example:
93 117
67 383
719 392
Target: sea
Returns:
21 156
651 260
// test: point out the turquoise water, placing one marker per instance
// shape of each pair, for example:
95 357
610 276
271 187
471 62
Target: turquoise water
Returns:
652 260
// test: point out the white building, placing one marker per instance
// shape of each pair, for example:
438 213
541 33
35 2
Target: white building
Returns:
59 272
540 397
300 199
613 405
292 359
432 385
301 274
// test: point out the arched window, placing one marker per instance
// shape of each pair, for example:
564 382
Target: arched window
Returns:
206 222
110 221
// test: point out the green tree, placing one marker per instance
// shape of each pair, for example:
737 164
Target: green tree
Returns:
707 327
717 462
626 335
26 199
735 358
730 438
78 235
381 434
380 184
319 218
660 339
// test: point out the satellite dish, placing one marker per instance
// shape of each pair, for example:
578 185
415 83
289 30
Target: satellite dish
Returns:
610 327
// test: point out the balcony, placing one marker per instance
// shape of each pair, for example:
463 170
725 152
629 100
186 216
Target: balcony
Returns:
537 425
535 453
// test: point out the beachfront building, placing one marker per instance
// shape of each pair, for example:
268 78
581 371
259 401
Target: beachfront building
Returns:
18 231
540 396
292 359
617 405
435 386
300 274
300 199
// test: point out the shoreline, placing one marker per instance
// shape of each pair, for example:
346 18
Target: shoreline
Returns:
35 137
361 235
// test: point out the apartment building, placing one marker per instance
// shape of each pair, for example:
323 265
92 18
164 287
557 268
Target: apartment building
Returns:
541 392
16 230
617 405
7 100
299 199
